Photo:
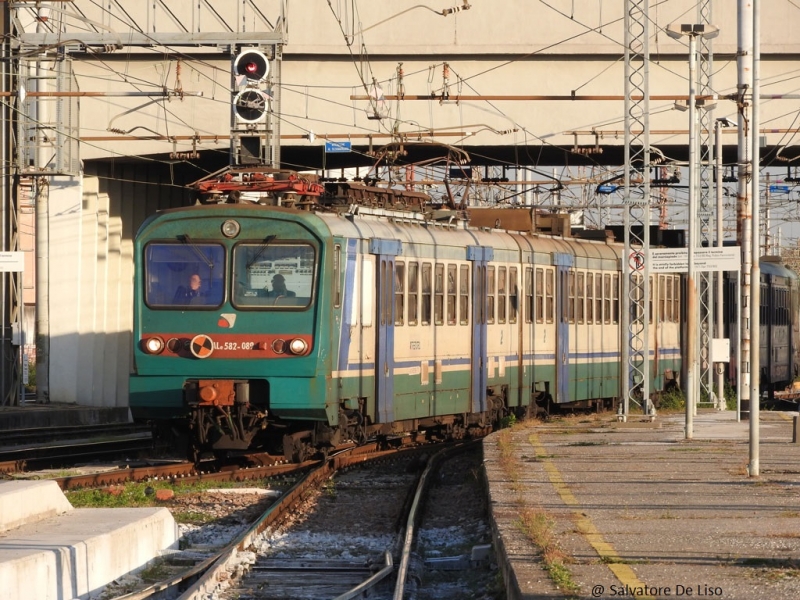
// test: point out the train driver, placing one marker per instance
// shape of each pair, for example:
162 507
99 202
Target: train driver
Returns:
190 294
279 288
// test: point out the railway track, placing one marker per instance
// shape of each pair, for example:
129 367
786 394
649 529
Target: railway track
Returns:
55 447
204 577
356 512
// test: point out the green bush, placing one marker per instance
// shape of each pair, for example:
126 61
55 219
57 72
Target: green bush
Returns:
672 399
508 421
31 385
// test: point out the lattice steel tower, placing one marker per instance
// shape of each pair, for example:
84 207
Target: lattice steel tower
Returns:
635 269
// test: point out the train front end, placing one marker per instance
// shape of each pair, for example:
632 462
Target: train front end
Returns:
229 328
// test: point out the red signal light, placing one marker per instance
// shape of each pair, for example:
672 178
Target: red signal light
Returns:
251 64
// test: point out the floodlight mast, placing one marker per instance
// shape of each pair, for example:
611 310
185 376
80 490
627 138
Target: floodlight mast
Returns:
692 31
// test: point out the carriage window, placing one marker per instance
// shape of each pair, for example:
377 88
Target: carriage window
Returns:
528 295
590 298
270 275
438 296
598 298
615 298
785 307
337 275
463 295
399 292
413 289
571 296
607 298
426 294
452 274
669 313
502 291
662 291
539 295
676 307
490 294
549 300
178 275
512 295
580 297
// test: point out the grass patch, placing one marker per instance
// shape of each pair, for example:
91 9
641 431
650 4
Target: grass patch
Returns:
508 421
508 458
131 494
671 400
535 523
538 527
192 517
139 494
156 572
329 489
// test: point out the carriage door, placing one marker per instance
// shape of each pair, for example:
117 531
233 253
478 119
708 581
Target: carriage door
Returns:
562 263
479 256
385 252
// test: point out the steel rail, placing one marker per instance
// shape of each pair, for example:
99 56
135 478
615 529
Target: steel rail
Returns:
209 580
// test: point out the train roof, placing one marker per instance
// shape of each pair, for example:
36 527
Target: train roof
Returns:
460 235
455 234
773 265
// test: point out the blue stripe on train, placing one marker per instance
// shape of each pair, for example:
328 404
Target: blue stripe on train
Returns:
509 359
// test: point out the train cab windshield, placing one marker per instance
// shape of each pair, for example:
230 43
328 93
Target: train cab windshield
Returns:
268 275
184 275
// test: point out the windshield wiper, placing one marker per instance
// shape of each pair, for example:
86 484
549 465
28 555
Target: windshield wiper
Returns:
186 240
261 249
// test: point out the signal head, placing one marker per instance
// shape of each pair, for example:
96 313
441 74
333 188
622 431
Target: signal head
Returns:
251 65
251 105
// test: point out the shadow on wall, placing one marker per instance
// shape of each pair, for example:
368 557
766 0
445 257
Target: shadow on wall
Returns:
91 274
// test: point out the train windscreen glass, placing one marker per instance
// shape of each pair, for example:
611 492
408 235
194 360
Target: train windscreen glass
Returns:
269 275
184 275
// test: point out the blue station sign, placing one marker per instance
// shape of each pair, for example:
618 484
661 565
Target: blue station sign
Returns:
337 147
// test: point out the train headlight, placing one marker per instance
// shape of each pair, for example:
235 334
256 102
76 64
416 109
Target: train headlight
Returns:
230 228
298 346
154 345
279 346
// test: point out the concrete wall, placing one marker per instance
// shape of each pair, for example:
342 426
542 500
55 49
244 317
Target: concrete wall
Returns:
92 224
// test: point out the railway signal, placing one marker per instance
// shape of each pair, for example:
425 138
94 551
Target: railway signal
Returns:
250 106
250 102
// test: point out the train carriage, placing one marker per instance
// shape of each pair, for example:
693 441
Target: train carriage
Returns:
779 329
385 323
778 326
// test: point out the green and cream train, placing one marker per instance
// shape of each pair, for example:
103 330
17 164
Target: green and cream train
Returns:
378 324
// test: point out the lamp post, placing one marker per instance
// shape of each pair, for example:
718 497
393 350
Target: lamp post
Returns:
692 31
718 125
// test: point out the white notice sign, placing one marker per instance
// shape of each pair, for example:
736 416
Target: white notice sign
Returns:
676 260
12 262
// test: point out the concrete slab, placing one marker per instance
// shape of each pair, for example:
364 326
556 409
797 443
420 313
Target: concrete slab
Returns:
23 502
76 554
